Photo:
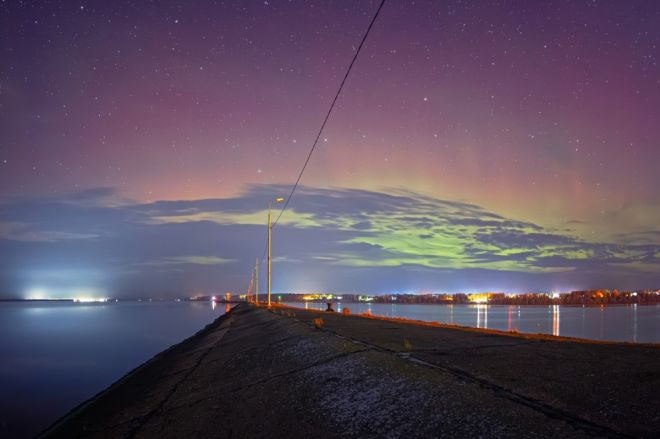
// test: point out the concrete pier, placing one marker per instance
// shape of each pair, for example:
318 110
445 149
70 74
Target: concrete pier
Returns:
284 373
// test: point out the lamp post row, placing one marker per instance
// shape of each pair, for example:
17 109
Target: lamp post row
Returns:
255 275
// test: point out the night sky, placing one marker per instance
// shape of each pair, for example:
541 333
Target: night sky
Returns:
484 145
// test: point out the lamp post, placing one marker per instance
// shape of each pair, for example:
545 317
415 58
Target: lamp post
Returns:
249 291
256 283
270 228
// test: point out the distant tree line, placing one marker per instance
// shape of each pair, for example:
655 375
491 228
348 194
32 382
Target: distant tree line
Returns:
422 298
586 297
607 297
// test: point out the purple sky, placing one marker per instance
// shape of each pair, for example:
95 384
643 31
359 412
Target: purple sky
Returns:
541 116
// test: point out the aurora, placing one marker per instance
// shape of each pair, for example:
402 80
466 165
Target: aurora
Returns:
474 147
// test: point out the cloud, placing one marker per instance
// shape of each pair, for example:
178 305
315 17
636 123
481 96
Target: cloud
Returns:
195 260
24 232
637 222
329 239
93 194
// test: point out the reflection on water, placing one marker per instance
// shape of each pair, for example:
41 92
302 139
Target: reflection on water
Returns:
630 323
555 319
635 322
482 316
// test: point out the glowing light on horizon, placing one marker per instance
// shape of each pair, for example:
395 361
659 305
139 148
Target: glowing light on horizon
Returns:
478 298
37 294
78 295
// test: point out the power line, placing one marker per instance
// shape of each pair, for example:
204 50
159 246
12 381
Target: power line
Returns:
327 116
325 120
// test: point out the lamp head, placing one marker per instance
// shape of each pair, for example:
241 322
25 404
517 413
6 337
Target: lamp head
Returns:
279 200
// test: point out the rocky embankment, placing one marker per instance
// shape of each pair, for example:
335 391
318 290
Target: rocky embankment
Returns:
283 373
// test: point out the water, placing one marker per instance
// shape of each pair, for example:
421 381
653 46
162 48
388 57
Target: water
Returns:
631 323
55 355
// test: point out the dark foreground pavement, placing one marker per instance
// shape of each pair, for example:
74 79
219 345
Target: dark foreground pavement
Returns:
255 373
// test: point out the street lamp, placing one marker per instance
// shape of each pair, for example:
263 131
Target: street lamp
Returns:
256 278
270 228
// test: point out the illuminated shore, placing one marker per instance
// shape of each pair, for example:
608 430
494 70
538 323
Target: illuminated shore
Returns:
297 373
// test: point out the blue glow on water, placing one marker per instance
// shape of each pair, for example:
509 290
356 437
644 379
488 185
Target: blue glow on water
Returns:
55 355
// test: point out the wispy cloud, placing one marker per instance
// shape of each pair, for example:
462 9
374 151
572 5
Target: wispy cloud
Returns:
196 260
24 232
330 238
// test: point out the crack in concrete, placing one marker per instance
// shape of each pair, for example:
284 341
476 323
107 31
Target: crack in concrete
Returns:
145 418
472 348
256 348
270 378
499 391
539 406
260 326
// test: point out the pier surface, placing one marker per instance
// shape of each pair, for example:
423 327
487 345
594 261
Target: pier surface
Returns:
268 374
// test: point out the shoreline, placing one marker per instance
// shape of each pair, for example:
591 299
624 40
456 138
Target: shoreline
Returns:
278 373
127 376
435 324
604 305
235 302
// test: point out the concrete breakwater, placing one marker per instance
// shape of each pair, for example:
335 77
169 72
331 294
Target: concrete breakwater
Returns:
288 372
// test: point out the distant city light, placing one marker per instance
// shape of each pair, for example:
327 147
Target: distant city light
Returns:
308 297
37 294
78 295
479 298
90 299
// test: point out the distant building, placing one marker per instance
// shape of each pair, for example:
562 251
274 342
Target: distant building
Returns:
486 297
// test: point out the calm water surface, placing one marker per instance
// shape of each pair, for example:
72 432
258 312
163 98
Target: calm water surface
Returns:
55 355
632 323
